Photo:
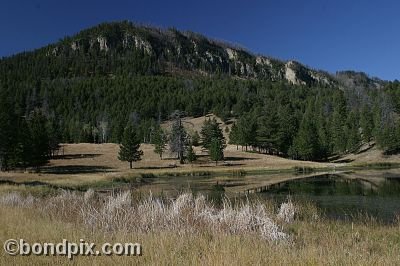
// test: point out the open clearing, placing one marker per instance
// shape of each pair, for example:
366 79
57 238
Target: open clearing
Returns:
94 162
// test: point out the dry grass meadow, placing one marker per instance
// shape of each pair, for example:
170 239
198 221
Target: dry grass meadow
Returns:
190 231
88 163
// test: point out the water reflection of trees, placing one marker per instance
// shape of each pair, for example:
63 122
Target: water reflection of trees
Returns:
336 185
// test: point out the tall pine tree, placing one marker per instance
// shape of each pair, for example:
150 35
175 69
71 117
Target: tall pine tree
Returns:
130 146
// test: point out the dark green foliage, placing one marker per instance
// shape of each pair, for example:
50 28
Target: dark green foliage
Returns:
209 131
351 132
40 142
306 143
179 139
160 141
8 128
234 135
130 146
25 140
339 141
367 123
191 155
267 129
216 150
245 132
196 139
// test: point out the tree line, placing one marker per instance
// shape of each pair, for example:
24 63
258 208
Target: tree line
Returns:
325 125
26 141
300 122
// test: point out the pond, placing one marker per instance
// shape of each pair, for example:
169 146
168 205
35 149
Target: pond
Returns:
340 195
343 197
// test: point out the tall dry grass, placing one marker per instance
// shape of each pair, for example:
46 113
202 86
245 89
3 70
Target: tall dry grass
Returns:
190 230
187 214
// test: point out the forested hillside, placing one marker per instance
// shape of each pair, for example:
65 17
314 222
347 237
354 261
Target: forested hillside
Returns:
88 87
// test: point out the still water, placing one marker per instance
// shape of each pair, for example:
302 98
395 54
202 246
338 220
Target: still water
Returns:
338 196
343 197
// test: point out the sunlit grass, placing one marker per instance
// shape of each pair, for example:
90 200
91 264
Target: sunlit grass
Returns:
313 238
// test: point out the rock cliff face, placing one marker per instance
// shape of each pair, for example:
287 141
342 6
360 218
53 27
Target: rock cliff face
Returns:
186 52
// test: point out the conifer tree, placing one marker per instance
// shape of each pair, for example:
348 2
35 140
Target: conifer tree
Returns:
234 136
216 150
352 132
40 140
196 138
130 146
367 123
211 130
305 144
160 141
178 140
7 130
191 155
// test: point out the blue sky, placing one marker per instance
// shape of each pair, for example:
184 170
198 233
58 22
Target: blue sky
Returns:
330 35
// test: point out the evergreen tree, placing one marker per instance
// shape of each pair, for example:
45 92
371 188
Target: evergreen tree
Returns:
39 138
7 130
178 140
54 135
191 155
196 138
247 130
160 141
286 129
211 130
305 144
339 139
352 132
367 123
23 150
267 130
234 136
130 146
338 135
217 150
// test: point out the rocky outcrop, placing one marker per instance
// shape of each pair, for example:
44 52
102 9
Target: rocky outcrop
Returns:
291 75
102 43
232 54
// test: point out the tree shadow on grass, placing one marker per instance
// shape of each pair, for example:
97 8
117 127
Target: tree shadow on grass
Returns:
35 184
238 159
156 167
344 161
75 156
75 169
212 164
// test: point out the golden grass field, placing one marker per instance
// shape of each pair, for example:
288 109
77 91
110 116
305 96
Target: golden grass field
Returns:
94 162
313 241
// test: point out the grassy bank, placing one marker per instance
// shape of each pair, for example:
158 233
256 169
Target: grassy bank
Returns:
179 237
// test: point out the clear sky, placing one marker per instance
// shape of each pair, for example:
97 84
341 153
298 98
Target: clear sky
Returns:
324 34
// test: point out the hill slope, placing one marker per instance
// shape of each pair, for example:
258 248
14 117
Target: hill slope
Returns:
123 47
90 85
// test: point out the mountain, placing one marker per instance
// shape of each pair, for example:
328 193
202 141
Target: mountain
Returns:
124 47
165 51
90 85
